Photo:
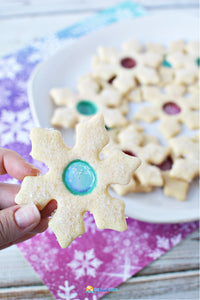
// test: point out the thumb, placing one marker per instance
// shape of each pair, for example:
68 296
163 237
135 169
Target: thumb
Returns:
17 220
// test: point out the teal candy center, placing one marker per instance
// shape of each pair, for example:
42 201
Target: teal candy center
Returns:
87 108
79 177
198 61
166 64
107 128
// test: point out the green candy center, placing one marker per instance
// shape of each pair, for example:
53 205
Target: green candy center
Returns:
87 108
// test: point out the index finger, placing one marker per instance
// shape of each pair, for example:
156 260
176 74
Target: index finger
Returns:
15 165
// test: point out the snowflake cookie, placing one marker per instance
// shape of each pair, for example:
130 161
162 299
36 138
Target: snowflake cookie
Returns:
170 109
77 107
78 179
126 68
174 187
134 186
186 158
134 142
181 63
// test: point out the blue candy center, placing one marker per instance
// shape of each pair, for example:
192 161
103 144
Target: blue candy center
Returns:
166 64
79 177
87 108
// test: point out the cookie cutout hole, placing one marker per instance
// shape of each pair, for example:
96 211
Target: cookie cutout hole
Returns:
166 164
79 177
130 153
110 81
87 108
128 63
171 108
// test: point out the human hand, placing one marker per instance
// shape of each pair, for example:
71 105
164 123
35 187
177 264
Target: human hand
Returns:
19 222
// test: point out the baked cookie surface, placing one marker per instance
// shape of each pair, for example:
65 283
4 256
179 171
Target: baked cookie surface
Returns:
78 179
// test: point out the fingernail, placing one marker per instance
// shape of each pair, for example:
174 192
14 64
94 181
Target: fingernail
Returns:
38 171
34 168
27 215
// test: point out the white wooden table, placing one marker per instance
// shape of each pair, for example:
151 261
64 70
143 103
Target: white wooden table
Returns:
175 274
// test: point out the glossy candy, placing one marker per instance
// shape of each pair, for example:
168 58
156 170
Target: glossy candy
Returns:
166 64
171 108
128 62
79 177
166 164
85 107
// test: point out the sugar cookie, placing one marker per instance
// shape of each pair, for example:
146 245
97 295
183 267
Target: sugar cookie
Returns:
134 142
170 109
78 108
176 188
186 162
78 180
127 67
134 186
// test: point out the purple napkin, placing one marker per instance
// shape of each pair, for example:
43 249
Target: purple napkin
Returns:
101 259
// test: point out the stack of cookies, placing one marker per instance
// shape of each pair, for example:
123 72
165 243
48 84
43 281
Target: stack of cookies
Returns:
148 95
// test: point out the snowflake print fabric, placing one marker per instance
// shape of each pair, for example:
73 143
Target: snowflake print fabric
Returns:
100 258
96 259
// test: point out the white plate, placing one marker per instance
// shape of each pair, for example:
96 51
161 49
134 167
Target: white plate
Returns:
71 62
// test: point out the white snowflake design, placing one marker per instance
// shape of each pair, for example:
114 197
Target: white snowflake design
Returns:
43 253
176 239
17 99
15 126
123 270
84 263
20 100
66 292
126 248
162 242
156 253
93 298
22 85
90 225
9 67
132 241
48 260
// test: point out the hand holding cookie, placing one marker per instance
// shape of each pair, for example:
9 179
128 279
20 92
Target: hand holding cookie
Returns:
18 223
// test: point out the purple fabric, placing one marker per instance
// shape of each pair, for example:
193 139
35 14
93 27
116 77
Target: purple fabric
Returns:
102 259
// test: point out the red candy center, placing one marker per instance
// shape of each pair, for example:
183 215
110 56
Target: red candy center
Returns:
110 81
130 153
171 108
166 164
128 62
